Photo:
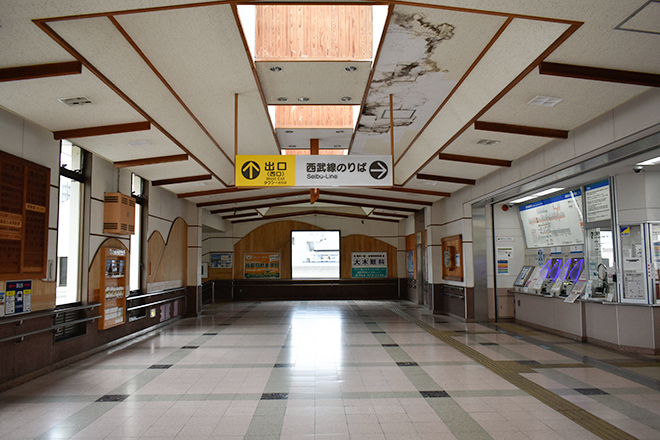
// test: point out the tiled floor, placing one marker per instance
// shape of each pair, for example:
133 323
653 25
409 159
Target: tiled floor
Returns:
341 370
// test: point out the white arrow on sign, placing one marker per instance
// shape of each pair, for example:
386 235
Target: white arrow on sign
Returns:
378 170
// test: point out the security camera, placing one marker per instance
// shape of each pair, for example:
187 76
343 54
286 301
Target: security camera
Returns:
638 169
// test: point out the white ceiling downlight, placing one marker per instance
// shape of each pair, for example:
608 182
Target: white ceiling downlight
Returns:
545 101
487 142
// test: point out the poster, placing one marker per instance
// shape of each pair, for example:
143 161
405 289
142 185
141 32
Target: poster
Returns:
504 253
262 265
18 297
410 264
597 198
503 267
222 260
2 304
554 221
368 264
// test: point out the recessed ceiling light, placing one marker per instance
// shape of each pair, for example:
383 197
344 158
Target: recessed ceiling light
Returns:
547 191
289 131
75 102
139 143
282 99
303 99
487 142
545 101
650 162
345 98
276 69
523 199
350 68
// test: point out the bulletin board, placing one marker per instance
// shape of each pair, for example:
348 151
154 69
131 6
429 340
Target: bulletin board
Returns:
24 198
452 258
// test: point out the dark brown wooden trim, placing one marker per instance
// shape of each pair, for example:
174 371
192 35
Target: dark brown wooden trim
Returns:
253 199
558 42
213 192
366 205
447 179
151 161
474 159
102 130
600 74
253 67
40 71
412 191
259 206
176 180
370 197
246 214
371 75
42 24
390 214
328 213
520 129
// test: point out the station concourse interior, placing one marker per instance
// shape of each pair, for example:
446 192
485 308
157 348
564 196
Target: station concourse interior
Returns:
355 220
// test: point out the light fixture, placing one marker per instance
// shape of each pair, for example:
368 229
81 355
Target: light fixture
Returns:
487 142
339 131
289 131
276 69
345 98
547 191
350 68
75 102
282 99
650 162
303 99
337 146
292 146
523 199
545 101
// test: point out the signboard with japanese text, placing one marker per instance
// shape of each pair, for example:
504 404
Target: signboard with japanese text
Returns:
18 297
262 265
597 198
265 171
313 171
222 260
368 264
320 171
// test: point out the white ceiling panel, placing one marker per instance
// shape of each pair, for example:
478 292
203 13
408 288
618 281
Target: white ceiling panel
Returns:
170 170
329 138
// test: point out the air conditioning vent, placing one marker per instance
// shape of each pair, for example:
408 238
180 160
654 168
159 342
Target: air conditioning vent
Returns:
118 214
75 102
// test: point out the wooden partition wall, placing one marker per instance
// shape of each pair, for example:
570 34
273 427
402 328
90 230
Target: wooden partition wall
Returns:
276 237
97 268
167 265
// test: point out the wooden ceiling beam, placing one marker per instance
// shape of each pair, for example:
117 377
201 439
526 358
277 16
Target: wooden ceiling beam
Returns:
366 205
151 161
413 191
447 179
600 74
259 206
314 212
102 130
213 192
474 159
253 199
370 197
245 214
40 71
389 214
181 180
520 129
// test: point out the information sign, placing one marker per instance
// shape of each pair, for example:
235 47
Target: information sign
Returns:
265 171
221 260
597 199
369 264
553 221
323 171
18 297
262 265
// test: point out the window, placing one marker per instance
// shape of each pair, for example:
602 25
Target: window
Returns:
69 223
315 254
137 191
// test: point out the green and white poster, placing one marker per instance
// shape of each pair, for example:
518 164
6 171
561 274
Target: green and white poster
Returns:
369 264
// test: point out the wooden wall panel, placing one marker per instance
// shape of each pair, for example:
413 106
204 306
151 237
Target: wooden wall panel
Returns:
314 116
452 258
167 265
97 268
271 237
314 31
364 243
219 273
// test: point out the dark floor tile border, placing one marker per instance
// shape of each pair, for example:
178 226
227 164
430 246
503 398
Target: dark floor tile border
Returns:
407 364
189 347
160 366
209 334
488 343
591 391
274 396
434 394
113 398
390 345
284 365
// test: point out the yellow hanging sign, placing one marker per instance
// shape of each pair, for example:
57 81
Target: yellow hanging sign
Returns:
265 171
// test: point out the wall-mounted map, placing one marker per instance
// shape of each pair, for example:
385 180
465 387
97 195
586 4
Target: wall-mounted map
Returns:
555 221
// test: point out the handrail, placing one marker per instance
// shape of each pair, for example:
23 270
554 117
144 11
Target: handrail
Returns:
155 303
51 312
160 292
52 327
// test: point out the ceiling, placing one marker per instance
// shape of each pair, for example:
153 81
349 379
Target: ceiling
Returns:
457 73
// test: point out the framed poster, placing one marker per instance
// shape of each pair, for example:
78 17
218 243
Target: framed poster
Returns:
18 297
222 260
555 221
369 264
262 264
